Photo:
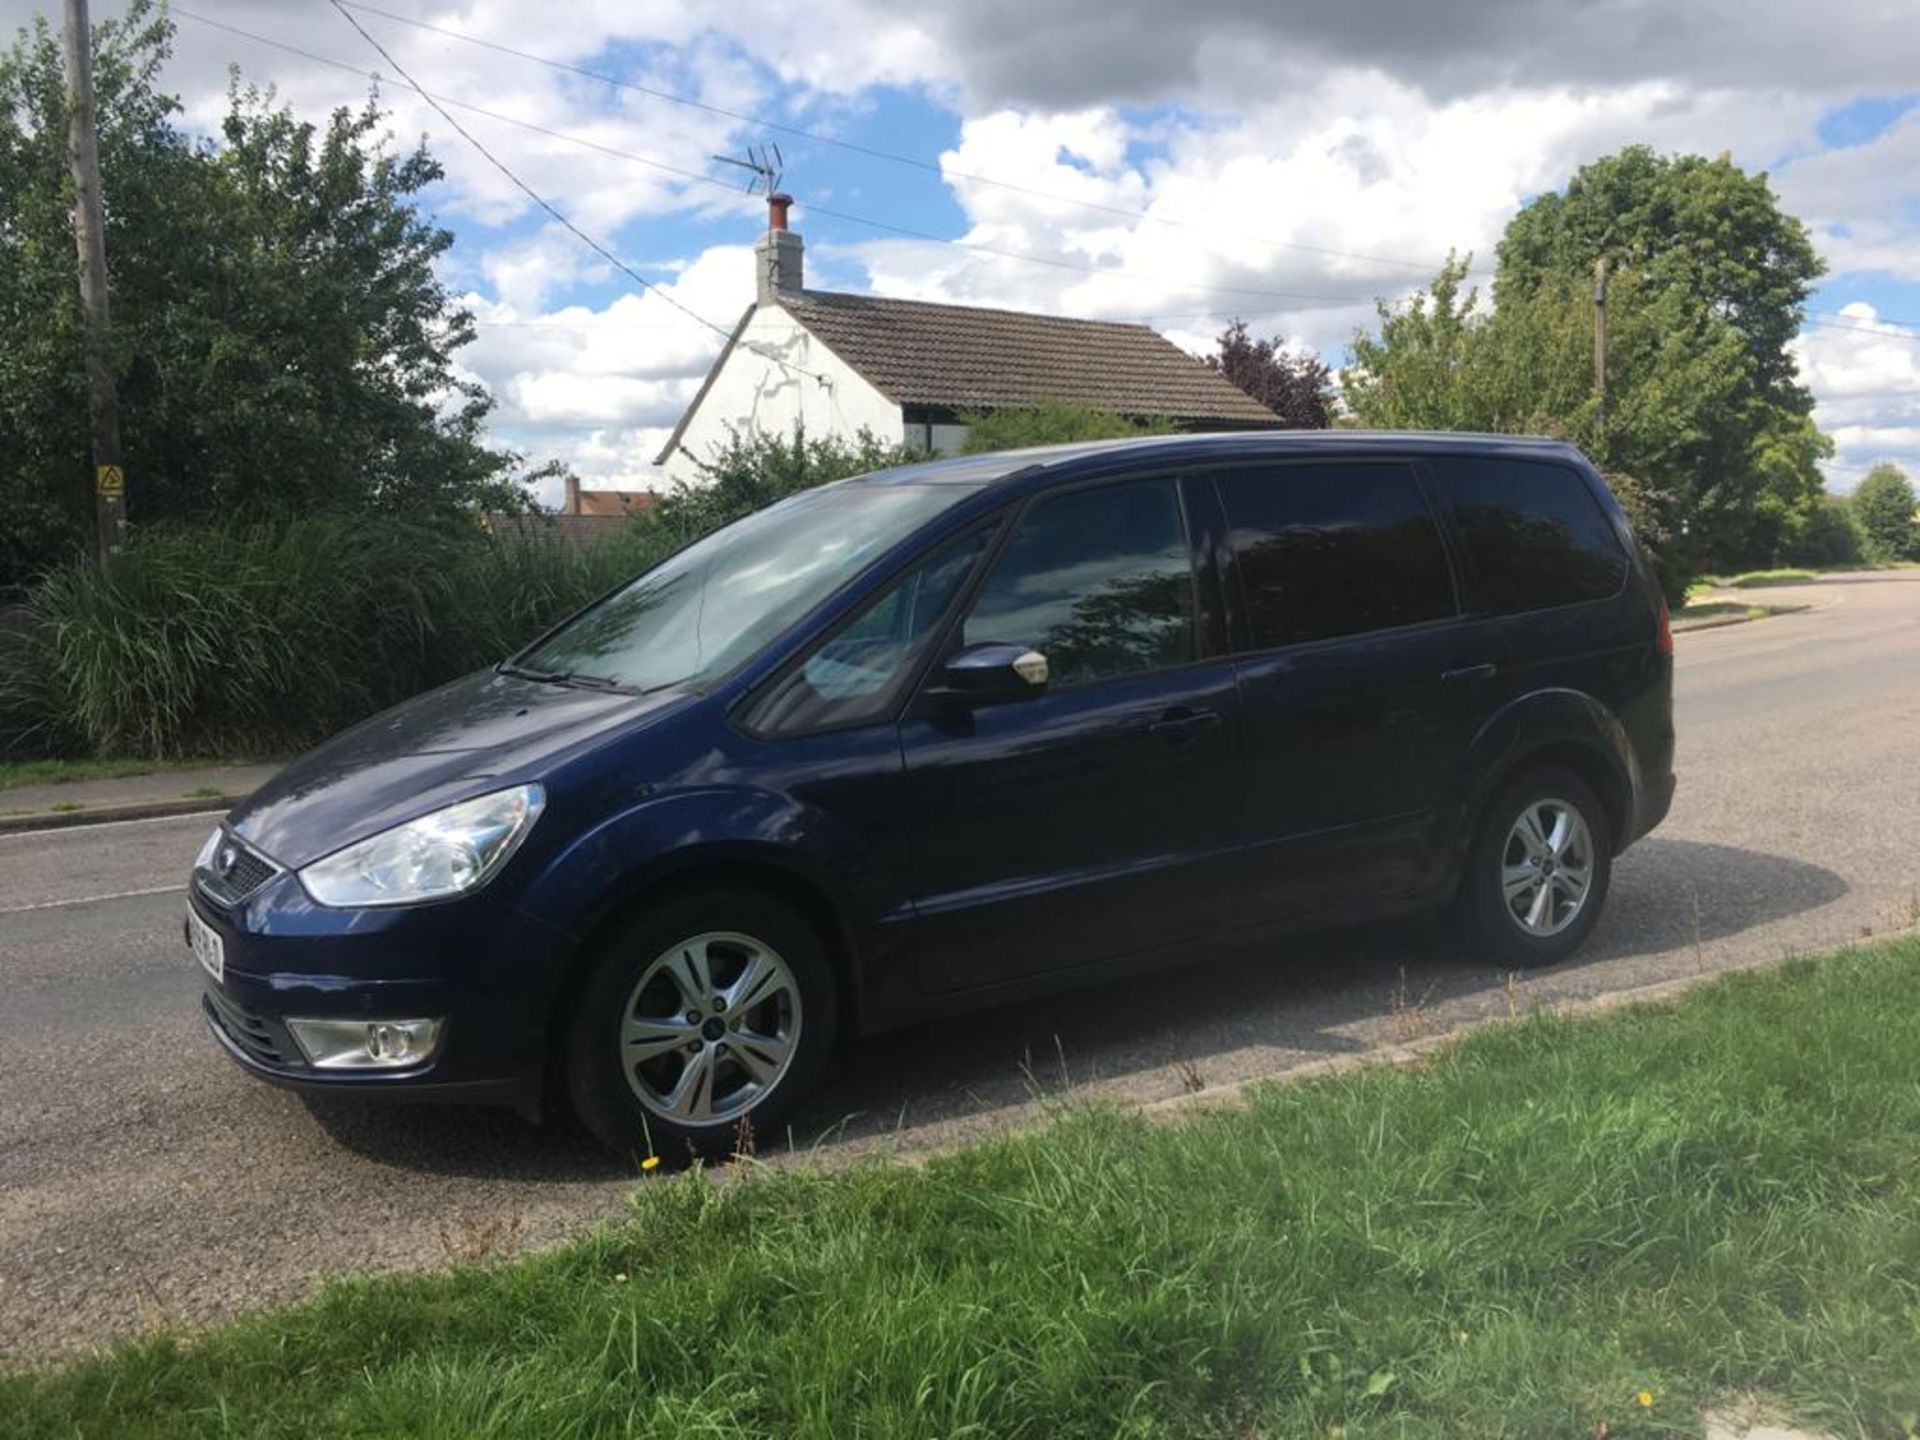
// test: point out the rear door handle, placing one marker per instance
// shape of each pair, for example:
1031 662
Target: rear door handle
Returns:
1181 724
1470 674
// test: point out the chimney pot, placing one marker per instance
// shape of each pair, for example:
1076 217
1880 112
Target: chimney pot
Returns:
779 255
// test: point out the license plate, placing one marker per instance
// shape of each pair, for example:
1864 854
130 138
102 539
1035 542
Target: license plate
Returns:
208 948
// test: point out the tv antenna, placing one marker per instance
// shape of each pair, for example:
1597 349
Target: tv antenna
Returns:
763 164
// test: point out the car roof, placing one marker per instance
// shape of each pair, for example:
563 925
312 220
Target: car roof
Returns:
1003 467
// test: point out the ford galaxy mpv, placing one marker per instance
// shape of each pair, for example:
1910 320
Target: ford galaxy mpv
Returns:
948 736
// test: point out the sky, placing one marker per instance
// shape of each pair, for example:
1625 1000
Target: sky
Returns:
1175 163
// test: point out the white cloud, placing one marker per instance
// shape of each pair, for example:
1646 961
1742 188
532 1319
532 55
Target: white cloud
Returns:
1866 376
600 387
1295 214
1335 152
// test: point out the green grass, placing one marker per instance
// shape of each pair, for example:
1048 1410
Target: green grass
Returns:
1704 1200
1756 579
15 773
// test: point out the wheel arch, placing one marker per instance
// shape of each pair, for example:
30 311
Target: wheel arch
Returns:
766 870
1563 728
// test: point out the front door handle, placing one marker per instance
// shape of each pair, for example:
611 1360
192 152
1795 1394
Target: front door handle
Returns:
1182 724
1470 674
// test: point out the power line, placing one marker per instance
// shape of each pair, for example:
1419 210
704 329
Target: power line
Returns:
874 153
1862 319
1886 329
440 102
526 189
540 200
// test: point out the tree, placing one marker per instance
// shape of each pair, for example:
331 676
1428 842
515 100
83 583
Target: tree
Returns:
1831 535
282 341
1884 505
1703 408
1053 422
1708 248
1297 388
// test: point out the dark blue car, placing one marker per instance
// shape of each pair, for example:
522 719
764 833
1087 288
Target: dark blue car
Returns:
944 737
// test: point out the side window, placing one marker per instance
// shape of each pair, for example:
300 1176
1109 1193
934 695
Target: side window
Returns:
857 673
1534 535
1099 581
1327 550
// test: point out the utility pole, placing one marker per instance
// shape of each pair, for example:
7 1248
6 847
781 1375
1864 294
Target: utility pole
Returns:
1600 353
103 400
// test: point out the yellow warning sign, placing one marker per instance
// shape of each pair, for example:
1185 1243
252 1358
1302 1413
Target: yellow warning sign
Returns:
112 480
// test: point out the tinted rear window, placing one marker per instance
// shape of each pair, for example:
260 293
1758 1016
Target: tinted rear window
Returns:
1328 550
1535 536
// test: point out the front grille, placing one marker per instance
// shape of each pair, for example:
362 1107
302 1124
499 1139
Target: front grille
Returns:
247 1029
246 873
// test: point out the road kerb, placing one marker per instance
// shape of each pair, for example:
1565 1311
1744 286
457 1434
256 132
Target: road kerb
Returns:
27 822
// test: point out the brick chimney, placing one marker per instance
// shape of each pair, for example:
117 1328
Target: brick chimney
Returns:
573 496
777 256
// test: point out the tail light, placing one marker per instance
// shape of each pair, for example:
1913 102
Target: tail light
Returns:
1664 639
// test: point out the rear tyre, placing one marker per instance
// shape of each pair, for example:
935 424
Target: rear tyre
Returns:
704 1022
1539 870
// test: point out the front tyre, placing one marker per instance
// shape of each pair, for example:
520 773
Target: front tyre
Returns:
704 1021
1539 869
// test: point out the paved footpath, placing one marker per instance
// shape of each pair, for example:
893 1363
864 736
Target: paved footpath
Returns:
142 1178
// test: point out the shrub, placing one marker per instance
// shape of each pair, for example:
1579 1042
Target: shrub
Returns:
749 473
260 638
1052 422
252 639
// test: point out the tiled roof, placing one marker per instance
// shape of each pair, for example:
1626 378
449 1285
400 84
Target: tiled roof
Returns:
961 357
615 503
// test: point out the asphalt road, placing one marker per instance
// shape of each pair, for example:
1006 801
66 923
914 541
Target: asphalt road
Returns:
143 1179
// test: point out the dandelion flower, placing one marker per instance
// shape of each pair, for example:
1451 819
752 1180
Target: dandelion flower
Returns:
652 1162
1645 1397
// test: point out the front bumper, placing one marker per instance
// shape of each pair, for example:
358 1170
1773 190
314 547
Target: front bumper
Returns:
490 973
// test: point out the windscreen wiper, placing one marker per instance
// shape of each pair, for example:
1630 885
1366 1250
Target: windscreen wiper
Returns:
567 677
528 672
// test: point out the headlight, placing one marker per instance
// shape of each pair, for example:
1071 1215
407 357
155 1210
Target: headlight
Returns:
446 853
205 857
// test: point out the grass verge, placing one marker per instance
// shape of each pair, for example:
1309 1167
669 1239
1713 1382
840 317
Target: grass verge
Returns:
15 773
1556 1223
1718 610
1759 579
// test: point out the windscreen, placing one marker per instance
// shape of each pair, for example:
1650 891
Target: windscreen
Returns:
724 598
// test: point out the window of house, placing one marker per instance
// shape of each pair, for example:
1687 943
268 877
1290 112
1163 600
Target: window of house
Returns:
1334 549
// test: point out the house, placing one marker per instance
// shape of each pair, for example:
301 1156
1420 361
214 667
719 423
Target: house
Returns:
609 504
907 370
584 517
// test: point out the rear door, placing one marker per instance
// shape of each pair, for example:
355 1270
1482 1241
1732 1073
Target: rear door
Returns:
1360 683
1084 823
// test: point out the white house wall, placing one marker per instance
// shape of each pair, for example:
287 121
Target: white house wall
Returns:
757 394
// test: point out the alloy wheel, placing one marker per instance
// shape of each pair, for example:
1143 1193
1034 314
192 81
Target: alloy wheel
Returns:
710 1028
1546 869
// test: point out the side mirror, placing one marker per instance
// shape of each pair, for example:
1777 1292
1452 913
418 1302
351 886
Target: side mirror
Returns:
989 673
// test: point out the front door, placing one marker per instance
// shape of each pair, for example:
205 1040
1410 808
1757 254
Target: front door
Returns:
1087 822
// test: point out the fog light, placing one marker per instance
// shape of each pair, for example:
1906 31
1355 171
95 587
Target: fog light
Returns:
365 1044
